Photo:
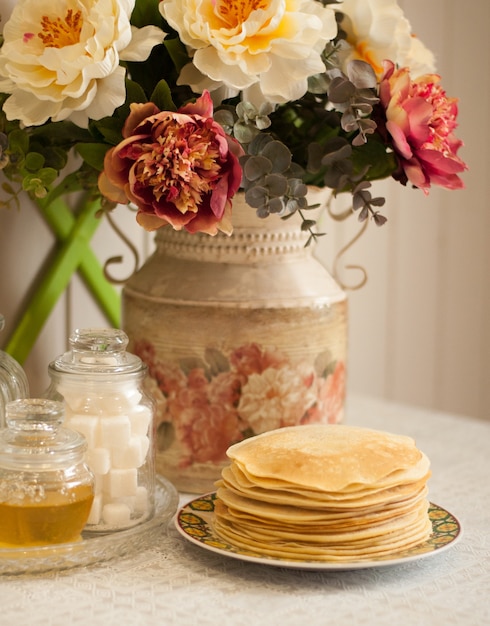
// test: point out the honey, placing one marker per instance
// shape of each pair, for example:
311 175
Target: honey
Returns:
46 488
55 519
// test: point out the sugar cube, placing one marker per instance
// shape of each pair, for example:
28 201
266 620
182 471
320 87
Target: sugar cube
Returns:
140 418
99 460
133 455
87 425
116 514
121 482
96 510
115 431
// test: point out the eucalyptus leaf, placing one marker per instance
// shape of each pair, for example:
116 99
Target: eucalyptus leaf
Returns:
278 154
361 74
276 205
256 197
276 184
256 167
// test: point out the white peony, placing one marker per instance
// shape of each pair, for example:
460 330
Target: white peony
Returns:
272 45
60 60
378 30
276 398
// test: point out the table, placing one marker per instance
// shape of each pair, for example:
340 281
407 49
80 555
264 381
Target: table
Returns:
176 582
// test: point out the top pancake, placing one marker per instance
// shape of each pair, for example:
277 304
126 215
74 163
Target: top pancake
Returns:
328 458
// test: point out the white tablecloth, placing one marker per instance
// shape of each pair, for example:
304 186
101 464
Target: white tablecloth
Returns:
175 582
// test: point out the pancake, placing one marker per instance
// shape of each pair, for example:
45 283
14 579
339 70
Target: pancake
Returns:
324 492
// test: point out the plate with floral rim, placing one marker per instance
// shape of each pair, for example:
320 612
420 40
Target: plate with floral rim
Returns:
194 521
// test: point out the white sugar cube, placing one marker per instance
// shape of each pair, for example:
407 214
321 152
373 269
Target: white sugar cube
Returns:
129 501
133 455
87 425
141 500
140 418
96 510
121 482
133 396
99 460
115 431
116 514
99 483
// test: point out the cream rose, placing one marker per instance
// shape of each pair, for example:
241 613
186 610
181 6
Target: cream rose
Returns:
61 60
271 45
276 398
378 30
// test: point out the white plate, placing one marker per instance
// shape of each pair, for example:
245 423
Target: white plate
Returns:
94 548
194 521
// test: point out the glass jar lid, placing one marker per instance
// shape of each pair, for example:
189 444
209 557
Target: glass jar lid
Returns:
34 438
98 351
13 379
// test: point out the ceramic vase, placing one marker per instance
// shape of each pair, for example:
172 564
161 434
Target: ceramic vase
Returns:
241 335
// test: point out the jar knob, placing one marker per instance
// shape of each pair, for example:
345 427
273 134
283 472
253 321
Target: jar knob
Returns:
35 415
107 340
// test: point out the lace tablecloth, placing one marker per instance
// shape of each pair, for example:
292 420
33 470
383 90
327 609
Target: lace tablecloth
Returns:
175 582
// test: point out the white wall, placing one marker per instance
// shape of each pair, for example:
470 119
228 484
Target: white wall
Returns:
419 329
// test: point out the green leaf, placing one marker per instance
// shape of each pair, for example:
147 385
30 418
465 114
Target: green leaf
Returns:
7 187
18 141
55 158
93 154
217 361
162 97
177 52
134 93
109 129
146 12
34 161
70 183
373 154
60 134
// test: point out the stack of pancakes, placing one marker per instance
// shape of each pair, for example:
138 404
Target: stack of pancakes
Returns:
324 492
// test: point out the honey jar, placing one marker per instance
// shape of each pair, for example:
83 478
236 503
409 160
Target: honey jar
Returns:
101 385
46 488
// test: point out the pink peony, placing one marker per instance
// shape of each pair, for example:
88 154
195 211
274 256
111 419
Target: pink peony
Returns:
177 168
205 432
253 359
421 120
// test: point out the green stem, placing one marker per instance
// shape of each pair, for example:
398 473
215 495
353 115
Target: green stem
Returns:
61 221
74 253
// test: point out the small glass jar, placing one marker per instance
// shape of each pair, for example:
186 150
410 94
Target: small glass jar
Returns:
46 489
13 380
101 385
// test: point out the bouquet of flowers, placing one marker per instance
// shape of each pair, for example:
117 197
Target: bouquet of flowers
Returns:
175 105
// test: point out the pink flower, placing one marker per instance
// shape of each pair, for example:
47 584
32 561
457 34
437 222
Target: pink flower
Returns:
331 395
421 120
177 168
225 389
252 359
205 432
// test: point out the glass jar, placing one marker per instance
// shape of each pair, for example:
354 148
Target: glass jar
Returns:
13 380
101 386
46 489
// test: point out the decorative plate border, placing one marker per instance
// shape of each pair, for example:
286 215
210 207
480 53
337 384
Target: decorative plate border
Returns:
194 522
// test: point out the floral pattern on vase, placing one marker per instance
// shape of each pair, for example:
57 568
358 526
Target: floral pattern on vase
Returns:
230 398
